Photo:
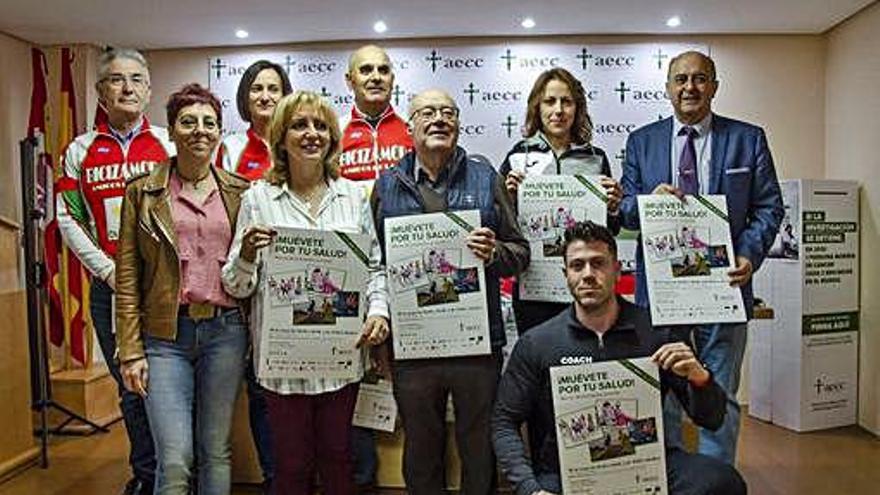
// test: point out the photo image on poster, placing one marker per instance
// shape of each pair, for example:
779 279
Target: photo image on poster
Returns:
610 427
435 276
466 280
315 295
691 264
718 256
287 288
347 304
671 244
549 227
316 310
643 431
687 250
440 290
408 274
786 245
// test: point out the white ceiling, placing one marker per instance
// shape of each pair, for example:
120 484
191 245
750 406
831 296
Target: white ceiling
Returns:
153 24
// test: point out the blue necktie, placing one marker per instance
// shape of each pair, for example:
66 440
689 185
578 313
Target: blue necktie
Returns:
687 163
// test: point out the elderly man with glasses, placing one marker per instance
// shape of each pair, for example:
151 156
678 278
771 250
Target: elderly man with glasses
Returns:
440 176
95 167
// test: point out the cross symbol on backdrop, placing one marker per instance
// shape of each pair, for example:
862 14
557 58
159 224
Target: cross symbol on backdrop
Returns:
584 56
218 65
509 125
471 91
660 56
509 58
434 58
622 89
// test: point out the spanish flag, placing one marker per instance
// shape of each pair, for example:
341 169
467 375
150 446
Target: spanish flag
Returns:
71 281
37 128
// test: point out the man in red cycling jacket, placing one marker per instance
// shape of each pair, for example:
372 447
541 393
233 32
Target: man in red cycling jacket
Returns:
95 167
375 138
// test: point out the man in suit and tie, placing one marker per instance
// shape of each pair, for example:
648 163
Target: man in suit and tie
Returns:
699 152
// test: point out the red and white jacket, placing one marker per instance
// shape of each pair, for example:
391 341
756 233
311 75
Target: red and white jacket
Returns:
246 155
366 151
95 167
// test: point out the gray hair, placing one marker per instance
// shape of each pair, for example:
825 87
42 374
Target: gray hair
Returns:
112 54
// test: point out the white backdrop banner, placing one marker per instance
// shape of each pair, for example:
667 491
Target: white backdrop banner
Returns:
489 81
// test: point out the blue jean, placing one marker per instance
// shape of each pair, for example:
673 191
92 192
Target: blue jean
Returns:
193 383
141 457
720 348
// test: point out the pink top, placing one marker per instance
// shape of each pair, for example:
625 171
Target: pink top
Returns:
203 238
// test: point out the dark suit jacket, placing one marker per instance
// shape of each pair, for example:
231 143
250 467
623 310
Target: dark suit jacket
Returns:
741 169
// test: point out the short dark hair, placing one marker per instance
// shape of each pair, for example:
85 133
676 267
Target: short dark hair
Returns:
582 128
192 94
242 95
587 232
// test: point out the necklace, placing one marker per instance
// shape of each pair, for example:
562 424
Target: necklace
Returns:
195 183
316 193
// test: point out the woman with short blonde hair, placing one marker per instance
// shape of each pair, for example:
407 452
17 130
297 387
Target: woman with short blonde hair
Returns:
281 120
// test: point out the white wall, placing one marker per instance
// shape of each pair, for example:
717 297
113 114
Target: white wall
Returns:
852 129
15 97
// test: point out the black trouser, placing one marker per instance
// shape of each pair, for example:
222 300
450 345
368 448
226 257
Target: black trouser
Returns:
261 432
142 456
421 388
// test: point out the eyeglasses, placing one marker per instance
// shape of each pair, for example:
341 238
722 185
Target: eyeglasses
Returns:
699 78
133 80
190 123
430 113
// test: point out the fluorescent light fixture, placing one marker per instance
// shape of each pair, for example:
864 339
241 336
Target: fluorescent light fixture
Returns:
241 34
528 23
673 21
380 27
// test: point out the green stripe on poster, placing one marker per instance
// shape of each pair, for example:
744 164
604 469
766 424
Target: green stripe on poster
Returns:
592 188
650 380
711 207
459 221
354 248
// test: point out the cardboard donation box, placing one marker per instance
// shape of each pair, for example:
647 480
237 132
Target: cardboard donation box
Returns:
804 338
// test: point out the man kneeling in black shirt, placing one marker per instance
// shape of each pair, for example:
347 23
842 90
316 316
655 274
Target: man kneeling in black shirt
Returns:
597 327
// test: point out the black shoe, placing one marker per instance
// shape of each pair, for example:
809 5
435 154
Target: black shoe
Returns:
366 489
133 487
137 487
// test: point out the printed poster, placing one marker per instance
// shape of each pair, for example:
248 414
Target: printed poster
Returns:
375 408
436 286
315 299
609 427
688 251
547 205
787 244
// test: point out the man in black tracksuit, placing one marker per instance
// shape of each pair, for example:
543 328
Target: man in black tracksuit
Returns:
597 327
